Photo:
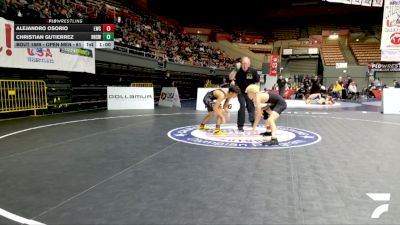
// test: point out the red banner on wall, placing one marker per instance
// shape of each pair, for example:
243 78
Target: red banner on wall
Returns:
273 66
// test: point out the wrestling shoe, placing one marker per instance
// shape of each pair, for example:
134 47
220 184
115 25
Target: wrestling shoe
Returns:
273 141
204 128
266 133
219 132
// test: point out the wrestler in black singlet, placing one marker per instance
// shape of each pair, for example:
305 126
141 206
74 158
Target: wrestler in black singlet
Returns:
276 103
209 99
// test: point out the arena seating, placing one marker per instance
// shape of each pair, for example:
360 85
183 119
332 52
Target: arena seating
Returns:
259 48
332 54
309 45
288 33
165 41
316 27
366 52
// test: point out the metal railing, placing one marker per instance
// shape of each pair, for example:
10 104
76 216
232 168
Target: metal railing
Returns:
22 95
134 51
158 56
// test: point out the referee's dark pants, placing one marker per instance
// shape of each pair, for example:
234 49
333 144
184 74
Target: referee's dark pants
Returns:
282 91
245 102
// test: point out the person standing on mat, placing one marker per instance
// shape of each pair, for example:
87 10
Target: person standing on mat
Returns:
243 75
275 106
218 95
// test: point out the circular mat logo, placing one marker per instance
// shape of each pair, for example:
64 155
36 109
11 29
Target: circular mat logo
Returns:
287 136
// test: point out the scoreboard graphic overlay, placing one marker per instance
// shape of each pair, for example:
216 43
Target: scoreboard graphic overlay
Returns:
64 33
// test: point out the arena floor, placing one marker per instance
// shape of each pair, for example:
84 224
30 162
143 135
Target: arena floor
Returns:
123 167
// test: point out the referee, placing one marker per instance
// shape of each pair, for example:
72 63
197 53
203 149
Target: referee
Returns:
243 75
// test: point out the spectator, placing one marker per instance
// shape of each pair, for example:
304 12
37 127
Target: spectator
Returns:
378 83
289 83
300 92
396 84
281 85
224 83
3 8
62 14
13 9
315 86
352 91
161 63
307 84
340 80
348 82
167 82
337 90
101 12
370 88
275 87
45 13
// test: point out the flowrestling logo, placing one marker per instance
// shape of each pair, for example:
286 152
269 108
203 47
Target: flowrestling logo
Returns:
287 136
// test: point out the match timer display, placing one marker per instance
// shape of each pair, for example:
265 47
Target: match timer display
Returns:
55 34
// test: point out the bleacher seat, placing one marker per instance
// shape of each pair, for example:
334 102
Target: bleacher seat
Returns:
332 54
366 52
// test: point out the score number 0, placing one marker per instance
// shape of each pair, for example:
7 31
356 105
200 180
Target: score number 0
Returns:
108 27
108 32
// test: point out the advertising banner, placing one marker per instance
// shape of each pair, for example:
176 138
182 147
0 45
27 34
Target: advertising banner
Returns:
390 101
377 3
390 55
130 98
384 67
341 65
64 59
169 97
273 67
390 39
366 2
